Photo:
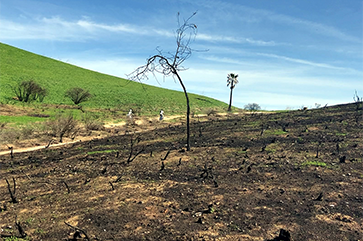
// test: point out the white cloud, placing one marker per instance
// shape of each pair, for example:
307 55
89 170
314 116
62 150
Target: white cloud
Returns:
56 28
240 13
305 62
219 38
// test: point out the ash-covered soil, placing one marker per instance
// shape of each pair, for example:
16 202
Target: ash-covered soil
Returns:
245 178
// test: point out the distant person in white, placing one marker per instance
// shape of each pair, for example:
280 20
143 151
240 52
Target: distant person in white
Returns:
129 115
161 115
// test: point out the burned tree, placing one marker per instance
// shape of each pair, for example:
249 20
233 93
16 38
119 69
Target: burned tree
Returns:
170 64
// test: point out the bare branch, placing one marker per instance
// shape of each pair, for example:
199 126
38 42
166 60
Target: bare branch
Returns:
171 63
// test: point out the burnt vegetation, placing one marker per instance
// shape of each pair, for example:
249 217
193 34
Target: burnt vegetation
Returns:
294 175
28 91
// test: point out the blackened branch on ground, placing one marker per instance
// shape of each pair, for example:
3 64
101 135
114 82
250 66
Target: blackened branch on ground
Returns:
206 172
77 232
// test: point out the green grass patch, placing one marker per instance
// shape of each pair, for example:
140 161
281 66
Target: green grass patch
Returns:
275 132
272 148
314 163
104 151
279 132
21 120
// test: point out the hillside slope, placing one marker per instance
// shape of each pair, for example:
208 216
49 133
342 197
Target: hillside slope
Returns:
108 91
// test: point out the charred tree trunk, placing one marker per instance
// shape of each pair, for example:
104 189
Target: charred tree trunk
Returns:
188 109
230 100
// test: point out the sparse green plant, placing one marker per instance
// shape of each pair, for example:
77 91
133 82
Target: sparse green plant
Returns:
314 163
12 238
300 140
105 151
39 231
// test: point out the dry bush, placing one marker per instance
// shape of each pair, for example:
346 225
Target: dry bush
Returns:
63 125
211 112
91 123
10 135
27 131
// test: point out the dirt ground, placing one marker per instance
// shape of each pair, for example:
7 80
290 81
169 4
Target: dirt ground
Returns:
245 178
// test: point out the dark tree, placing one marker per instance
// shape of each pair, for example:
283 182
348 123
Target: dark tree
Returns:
252 107
357 100
28 91
170 64
232 81
78 95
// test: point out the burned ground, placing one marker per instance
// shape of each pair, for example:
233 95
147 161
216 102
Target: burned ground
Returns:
246 178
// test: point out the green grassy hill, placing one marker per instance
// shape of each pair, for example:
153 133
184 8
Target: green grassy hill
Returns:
108 91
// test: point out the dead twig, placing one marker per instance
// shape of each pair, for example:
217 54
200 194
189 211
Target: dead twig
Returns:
12 193
162 166
11 151
113 188
166 156
64 182
179 161
48 145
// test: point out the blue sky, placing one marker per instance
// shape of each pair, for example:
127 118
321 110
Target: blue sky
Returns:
287 53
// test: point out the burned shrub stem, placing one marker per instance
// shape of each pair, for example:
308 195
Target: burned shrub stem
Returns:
12 192
65 184
166 156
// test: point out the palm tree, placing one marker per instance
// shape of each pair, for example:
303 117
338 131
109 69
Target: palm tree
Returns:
231 80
